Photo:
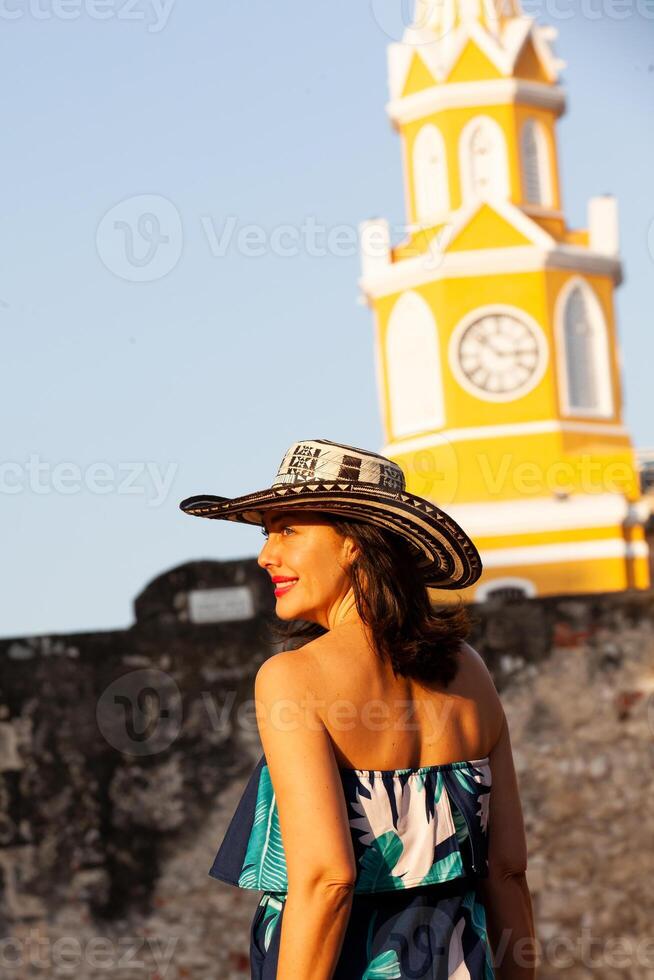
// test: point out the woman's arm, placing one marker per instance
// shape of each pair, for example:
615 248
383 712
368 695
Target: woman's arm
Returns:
320 862
313 926
509 913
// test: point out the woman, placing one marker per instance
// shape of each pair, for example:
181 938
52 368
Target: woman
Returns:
369 823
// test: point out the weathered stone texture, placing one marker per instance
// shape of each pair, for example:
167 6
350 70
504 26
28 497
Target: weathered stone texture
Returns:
113 797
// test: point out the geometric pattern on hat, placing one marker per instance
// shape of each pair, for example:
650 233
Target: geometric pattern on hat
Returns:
318 474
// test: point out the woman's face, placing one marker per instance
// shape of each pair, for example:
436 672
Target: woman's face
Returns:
303 547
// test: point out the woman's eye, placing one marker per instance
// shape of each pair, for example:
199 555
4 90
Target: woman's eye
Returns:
286 528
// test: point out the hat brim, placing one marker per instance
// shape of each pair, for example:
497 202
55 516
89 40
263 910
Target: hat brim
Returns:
446 555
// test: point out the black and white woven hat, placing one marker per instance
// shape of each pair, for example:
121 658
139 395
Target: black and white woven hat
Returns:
317 474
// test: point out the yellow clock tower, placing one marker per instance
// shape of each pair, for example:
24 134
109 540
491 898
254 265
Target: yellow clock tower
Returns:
496 348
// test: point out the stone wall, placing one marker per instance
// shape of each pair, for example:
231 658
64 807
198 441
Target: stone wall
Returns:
123 755
576 677
114 748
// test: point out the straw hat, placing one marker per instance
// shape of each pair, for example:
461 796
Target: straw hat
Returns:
317 474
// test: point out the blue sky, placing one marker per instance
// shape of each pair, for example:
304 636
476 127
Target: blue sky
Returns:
121 397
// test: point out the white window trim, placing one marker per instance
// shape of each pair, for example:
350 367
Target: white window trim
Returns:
468 194
608 406
435 420
429 130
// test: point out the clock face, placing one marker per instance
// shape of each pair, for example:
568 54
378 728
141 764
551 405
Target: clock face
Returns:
499 356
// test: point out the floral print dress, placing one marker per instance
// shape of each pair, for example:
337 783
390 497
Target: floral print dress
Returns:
420 839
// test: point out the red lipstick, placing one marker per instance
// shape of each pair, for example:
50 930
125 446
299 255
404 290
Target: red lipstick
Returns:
282 587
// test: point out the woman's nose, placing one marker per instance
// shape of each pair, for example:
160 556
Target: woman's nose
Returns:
266 555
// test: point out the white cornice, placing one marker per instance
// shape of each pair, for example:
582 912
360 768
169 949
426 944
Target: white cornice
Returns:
572 551
537 514
497 91
540 211
400 447
583 259
436 265
514 215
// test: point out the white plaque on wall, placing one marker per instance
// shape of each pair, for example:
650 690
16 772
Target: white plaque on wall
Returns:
220 605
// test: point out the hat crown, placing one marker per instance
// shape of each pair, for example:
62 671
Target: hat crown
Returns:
324 461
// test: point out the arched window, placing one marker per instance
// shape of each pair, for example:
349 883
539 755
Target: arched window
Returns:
483 161
535 164
414 368
430 176
505 589
586 374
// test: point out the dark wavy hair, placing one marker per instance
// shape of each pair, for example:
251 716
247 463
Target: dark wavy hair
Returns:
419 639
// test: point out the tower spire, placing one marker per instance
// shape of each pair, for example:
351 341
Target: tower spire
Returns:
439 17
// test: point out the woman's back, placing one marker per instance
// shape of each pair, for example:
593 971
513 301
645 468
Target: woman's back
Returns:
419 838
378 721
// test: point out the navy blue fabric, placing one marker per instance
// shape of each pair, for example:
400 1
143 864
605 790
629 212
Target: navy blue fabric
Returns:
399 926
417 934
228 861
252 853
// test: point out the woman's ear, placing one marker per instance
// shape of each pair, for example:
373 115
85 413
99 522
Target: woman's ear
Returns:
351 550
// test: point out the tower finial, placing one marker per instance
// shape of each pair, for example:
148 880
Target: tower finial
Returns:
442 16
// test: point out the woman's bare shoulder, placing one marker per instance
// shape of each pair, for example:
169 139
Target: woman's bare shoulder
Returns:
473 661
307 660
475 673
337 662
473 657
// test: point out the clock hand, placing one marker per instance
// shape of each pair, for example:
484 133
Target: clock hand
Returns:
511 353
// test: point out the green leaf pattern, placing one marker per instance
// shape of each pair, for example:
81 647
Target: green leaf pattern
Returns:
478 918
407 830
272 914
384 964
265 862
